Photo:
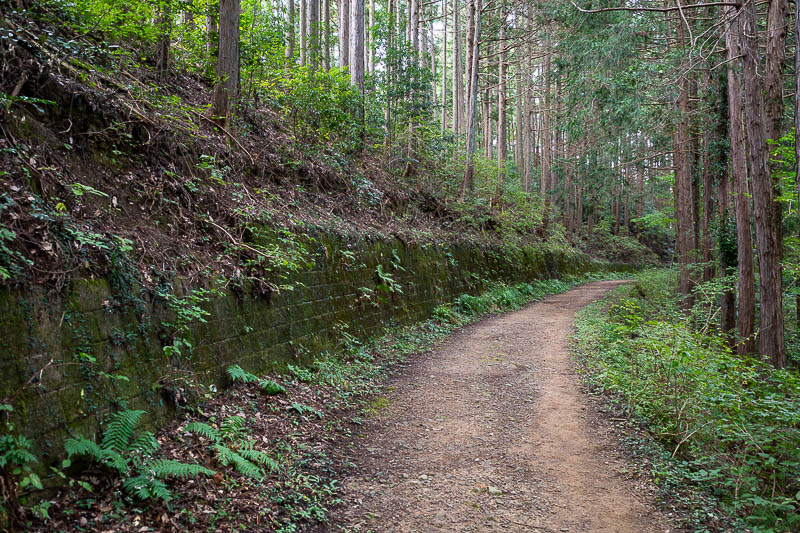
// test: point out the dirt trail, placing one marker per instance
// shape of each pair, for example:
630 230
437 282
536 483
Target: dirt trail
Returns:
491 433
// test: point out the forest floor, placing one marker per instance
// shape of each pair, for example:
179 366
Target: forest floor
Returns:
492 432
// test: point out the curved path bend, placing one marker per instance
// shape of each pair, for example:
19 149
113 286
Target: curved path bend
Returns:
491 432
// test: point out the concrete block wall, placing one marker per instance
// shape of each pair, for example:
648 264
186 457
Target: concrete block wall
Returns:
59 353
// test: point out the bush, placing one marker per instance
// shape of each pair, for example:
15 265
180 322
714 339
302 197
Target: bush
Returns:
732 424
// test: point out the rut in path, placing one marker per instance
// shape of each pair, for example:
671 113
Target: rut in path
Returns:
491 433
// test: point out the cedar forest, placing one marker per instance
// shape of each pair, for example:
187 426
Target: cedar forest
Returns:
660 134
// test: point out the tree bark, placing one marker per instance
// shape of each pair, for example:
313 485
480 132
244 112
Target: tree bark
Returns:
227 85
771 335
472 109
313 29
502 149
684 239
357 43
546 141
444 67
289 51
745 322
164 24
458 78
797 129
344 32
326 28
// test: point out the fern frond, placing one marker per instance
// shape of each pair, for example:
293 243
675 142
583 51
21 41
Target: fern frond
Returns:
231 427
226 456
115 460
204 430
166 468
270 388
239 374
145 443
119 430
83 446
258 457
144 488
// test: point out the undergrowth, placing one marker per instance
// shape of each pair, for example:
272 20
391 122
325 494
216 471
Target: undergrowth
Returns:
275 443
726 426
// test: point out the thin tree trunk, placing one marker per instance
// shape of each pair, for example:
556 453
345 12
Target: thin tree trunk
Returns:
371 46
745 322
547 160
227 85
797 129
344 32
289 52
304 32
458 79
519 124
313 28
387 113
357 43
726 260
444 67
326 7
164 24
502 153
684 239
474 54
771 335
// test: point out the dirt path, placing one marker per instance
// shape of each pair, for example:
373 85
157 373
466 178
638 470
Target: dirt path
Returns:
491 433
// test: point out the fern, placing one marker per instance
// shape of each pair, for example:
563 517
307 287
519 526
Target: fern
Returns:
144 487
133 460
237 373
270 388
120 429
167 468
83 446
145 443
258 457
226 457
232 427
204 430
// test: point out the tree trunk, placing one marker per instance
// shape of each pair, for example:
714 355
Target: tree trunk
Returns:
547 156
227 84
771 335
164 24
344 33
326 27
371 47
313 28
472 109
444 67
502 153
387 113
289 51
726 259
797 129
519 124
458 79
357 43
212 39
684 239
745 322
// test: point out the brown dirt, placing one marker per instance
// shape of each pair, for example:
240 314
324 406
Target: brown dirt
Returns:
492 433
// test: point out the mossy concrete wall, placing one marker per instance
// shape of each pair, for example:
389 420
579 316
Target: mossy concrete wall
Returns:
67 358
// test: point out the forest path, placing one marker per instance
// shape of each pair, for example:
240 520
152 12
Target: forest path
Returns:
491 433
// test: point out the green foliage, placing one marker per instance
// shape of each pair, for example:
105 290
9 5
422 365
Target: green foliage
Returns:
730 422
16 468
12 262
131 456
267 386
232 448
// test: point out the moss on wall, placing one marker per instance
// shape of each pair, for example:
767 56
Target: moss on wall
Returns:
68 358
